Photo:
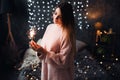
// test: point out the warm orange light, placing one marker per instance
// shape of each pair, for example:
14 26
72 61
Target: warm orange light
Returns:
94 15
98 25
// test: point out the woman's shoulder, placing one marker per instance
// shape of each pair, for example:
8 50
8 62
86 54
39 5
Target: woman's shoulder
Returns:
52 26
48 27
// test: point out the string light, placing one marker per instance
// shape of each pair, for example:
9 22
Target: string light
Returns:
39 11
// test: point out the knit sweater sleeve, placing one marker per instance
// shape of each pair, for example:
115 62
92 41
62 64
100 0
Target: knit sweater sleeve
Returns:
62 58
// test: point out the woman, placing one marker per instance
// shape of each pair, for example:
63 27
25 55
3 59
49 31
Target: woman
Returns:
58 45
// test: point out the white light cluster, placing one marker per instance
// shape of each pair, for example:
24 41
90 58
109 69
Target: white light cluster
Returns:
80 13
40 12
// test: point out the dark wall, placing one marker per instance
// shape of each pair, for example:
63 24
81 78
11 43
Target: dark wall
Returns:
18 18
11 55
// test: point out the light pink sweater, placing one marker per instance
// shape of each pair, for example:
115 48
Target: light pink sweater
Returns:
58 63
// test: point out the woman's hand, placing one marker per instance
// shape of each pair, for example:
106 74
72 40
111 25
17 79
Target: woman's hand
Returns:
40 50
35 46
